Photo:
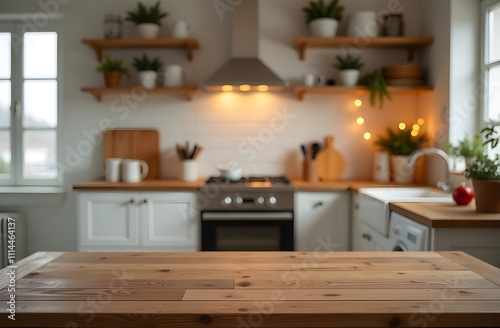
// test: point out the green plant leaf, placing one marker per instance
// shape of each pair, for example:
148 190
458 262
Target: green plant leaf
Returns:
318 9
144 14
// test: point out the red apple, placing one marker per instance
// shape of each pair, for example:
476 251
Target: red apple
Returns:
463 194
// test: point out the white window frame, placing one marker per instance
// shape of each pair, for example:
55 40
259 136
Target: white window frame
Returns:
486 6
17 24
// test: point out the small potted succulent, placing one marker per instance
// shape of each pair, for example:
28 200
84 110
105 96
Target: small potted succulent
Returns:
485 174
349 66
147 70
147 19
400 144
323 19
378 87
112 70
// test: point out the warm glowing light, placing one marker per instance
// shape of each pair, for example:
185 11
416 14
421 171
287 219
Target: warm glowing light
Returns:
227 88
360 120
245 87
262 88
414 133
402 126
358 103
367 135
416 127
420 121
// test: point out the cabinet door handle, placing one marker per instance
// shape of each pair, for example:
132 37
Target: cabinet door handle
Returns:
367 236
318 204
145 201
131 201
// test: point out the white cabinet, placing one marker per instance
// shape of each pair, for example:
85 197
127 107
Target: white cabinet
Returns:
483 243
322 221
361 236
138 221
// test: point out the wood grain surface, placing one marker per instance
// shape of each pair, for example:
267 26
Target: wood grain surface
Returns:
145 185
253 289
143 144
447 215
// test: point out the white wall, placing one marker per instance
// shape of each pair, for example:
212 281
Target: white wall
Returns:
465 78
222 123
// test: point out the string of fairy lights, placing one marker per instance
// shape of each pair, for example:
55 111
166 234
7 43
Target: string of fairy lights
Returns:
416 127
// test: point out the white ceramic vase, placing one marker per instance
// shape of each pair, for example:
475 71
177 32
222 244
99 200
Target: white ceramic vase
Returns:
324 27
349 77
148 30
147 79
402 172
362 24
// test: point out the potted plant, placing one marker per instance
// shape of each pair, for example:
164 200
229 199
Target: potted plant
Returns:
485 174
400 144
147 19
323 19
147 70
349 66
467 148
112 70
377 86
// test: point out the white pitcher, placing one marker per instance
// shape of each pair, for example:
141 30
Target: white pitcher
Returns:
134 170
112 168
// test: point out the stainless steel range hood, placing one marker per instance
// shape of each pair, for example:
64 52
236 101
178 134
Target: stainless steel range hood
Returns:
245 71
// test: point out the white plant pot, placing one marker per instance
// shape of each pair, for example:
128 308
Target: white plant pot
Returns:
362 24
402 172
324 27
349 77
148 30
147 79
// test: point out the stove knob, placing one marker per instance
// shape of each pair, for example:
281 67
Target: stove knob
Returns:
260 200
272 200
239 200
227 201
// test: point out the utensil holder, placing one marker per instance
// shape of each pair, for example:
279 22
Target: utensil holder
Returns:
189 170
310 171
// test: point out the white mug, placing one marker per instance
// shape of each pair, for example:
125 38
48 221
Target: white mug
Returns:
134 170
112 169
180 29
174 76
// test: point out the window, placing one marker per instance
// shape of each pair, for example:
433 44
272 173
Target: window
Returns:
29 102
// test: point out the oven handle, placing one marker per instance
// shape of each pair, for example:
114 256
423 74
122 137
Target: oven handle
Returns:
239 216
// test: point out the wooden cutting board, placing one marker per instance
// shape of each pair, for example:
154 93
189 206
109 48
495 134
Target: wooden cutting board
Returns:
330 162
141 144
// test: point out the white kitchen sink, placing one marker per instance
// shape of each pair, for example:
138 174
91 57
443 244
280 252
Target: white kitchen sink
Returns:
374 203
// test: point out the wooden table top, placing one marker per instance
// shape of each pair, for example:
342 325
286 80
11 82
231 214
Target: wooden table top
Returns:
252 289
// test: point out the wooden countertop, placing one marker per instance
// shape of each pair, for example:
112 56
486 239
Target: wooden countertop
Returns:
447 215
177 184
146 185
253 289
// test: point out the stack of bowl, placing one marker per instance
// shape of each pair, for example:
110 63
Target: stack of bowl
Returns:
404 74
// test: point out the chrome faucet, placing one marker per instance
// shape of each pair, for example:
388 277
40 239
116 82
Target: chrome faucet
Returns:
446 186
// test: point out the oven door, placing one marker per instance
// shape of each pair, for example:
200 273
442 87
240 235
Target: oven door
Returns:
247 231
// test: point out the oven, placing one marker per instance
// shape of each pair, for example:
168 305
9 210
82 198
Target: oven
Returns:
247 215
